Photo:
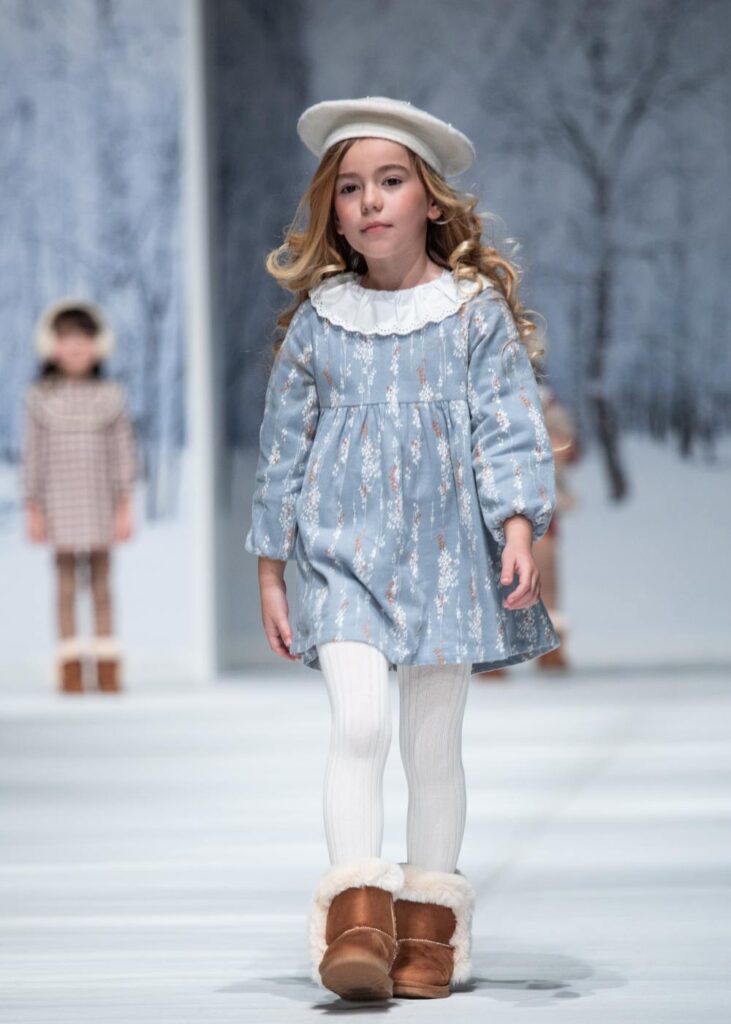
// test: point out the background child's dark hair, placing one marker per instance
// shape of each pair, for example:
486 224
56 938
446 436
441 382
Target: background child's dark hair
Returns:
72 319
48 368
75 319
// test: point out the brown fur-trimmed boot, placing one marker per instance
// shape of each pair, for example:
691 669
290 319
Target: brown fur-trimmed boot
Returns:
353 928
434 933
108 654
70 654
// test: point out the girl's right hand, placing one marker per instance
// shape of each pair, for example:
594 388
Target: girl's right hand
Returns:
274 607
35 524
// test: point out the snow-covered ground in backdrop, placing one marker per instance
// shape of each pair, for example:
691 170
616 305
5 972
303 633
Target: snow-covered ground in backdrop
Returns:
646 581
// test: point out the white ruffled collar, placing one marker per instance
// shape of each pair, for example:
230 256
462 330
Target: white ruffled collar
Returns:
343 301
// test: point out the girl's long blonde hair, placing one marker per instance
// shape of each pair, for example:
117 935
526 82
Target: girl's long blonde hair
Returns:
315 250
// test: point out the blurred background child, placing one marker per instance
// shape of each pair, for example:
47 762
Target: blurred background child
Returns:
562 432
78 470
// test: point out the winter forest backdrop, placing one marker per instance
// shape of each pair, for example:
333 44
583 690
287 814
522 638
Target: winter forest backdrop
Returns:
604 148
90 168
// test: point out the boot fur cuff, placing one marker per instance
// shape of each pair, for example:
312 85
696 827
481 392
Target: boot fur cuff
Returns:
423 885
71 647
107 647
385 874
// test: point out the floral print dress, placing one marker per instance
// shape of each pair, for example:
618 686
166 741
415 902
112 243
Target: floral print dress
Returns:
400 429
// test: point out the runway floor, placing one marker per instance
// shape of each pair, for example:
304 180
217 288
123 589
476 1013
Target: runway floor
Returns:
159 849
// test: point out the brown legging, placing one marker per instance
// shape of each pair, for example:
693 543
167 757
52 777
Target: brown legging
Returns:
97 563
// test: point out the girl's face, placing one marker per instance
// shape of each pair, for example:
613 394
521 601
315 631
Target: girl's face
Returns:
75 353
377 183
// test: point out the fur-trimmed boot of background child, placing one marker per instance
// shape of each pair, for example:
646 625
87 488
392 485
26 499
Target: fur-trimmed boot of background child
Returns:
71 653
434 932
353 928
108 654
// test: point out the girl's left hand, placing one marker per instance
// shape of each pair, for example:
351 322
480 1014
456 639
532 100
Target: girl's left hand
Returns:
123 520
517 557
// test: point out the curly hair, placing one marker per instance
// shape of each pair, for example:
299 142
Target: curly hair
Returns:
313 249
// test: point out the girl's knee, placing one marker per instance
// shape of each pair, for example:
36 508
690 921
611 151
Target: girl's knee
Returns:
364 736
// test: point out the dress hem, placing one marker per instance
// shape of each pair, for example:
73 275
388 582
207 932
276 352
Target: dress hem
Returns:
310 658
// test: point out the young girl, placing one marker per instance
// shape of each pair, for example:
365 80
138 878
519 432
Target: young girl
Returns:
78 470
405 466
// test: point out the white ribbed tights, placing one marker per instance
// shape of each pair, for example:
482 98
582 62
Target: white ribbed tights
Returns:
431 710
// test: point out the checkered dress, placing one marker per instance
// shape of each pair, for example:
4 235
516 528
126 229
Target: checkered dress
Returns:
79 458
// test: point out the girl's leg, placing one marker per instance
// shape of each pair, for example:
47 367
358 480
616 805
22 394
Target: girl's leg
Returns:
65 593
356 676
70 649
99 562
107 649
431 711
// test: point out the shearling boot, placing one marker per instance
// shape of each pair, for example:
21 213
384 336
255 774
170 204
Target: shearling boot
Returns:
434 932
70 654
353 928
108 654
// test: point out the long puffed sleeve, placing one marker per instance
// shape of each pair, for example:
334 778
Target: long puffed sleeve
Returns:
123 453
511 450
291 412
33 454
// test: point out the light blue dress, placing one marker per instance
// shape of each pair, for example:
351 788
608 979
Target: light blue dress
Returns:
400 429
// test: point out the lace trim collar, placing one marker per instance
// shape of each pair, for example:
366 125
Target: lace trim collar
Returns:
343 301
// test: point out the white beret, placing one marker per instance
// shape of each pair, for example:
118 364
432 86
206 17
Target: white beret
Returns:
448 150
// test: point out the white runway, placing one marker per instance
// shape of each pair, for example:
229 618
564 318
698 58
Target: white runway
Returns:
159 850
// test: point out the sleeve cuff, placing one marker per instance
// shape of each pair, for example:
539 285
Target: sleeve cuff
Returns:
539 520
264 547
